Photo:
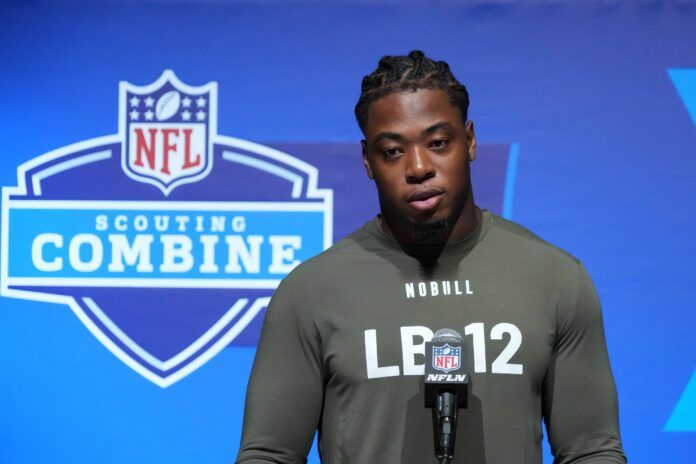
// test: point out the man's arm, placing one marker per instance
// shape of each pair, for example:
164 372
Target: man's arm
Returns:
285 392
579 397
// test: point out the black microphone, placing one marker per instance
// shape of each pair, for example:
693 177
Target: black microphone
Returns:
446 388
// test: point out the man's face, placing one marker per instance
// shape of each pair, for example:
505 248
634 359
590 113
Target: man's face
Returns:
417 149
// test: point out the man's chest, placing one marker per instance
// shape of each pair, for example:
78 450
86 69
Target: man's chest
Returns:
376 325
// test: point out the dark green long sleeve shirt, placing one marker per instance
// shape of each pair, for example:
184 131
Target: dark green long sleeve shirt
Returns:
342 352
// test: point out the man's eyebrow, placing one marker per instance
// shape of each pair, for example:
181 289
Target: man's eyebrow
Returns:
387 135
398 137
437 127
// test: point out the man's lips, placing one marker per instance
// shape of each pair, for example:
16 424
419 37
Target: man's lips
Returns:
426 199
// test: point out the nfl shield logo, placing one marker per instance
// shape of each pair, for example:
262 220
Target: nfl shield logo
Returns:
167 130
446 358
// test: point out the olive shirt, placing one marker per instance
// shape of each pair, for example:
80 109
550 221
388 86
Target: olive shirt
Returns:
342 352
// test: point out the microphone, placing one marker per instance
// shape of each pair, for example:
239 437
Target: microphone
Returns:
446 382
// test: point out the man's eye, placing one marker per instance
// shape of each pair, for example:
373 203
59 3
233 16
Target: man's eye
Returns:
391 152
439 143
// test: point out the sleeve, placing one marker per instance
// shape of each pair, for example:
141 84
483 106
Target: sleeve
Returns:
580 404
285 391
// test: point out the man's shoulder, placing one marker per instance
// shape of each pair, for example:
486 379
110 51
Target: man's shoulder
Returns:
521 238
335 257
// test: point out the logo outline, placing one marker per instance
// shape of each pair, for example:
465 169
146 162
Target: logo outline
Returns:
269 159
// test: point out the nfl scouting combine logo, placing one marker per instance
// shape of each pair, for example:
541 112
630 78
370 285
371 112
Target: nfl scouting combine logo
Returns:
166 240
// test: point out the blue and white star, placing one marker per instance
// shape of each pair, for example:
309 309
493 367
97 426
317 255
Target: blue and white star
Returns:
200 115
186 102
149 101
134 115
186 115
200 102
134 101
149 115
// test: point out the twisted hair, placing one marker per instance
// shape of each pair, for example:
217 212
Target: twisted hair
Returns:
411 72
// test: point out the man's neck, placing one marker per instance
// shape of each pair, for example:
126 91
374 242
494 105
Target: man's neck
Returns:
464 226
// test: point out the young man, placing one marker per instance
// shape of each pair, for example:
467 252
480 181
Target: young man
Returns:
342 347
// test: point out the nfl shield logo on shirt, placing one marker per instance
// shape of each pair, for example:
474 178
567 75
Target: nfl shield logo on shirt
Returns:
446 358
166 239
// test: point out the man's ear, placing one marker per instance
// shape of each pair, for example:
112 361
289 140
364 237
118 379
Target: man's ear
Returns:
472 139
366 162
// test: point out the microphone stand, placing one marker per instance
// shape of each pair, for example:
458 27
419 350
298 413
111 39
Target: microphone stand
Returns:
445 416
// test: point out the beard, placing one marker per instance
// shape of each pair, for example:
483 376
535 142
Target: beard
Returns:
426 231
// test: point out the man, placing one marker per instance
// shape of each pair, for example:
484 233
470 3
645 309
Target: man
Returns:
342 345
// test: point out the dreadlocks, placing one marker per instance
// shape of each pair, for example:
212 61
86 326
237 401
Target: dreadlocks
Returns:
412 72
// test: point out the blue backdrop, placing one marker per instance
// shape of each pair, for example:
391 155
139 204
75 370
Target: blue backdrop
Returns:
587 112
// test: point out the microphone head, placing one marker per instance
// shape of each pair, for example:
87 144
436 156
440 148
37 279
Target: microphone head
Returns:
447 336
446 368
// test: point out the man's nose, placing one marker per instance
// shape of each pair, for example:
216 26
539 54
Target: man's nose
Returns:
419 168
